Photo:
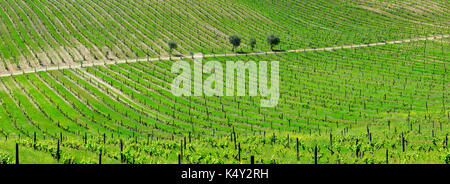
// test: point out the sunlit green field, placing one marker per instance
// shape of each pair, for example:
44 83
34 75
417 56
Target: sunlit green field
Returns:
362 105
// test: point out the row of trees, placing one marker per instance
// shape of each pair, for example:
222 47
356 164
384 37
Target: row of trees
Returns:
236 41
271 39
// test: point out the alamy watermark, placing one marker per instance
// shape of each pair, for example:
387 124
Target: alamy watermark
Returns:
235 79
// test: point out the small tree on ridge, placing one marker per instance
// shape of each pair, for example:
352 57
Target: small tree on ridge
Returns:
172 45
235 41
252 43
273 40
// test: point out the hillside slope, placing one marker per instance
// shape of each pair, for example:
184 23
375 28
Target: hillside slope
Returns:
50 32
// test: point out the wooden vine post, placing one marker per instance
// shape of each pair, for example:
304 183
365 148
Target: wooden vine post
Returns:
57 151
121 151
17 153
298 156
100 157
315 155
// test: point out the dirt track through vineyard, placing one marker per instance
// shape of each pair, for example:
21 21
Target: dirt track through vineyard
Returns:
109 62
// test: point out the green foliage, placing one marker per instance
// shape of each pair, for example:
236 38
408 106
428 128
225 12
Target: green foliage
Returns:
172 45
273 40
252 43
5 158
235 41
447 158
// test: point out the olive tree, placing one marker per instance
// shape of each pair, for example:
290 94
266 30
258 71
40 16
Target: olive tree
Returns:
273 40
252 43
235 41
172 45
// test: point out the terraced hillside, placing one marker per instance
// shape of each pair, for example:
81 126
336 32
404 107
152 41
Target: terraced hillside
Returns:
360 82
49 33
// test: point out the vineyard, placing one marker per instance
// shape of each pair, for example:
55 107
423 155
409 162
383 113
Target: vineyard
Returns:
362 82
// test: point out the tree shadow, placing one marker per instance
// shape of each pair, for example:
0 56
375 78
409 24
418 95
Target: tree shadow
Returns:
242 52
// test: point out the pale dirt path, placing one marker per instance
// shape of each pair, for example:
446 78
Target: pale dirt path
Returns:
102 62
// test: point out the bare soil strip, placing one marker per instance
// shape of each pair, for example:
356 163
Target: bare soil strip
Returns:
109 62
